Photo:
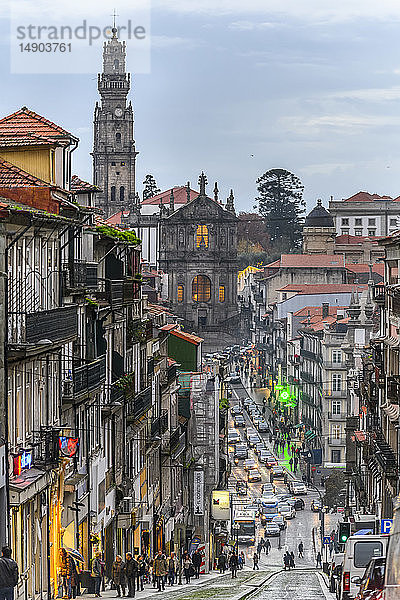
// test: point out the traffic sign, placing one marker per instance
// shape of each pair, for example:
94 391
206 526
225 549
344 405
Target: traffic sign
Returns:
386 525
326 540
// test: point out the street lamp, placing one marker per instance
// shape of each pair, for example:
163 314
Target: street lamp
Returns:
235 529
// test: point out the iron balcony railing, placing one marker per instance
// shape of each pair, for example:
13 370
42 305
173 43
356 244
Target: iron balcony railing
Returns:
79 275
54 325
139 405
160 425
85 379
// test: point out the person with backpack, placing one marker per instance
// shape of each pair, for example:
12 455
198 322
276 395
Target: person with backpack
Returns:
8 574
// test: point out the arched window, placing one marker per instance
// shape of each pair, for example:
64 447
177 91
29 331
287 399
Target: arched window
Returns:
202 236
181 237
221 293
116 64
113 193
118 138
121 193
201 288
180 293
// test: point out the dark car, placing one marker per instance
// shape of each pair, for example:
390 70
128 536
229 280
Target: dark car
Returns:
271 528
299 504
372 580
277 472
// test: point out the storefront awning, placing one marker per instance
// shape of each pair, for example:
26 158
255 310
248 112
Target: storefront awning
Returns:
27 485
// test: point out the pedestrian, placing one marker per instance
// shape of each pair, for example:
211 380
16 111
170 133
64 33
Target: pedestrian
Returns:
141 573
187 567
259 548
8 574
96 573
196 560
222 562
172 568
301 550
160 568
233 564
75 584
240 562
255 562
291 463
286 561
322 480
319 560
131 569
118 575
292 565
267 546
65 570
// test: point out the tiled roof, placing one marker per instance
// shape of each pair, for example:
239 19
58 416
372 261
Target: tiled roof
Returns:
356 239
25 123
321 288
366 197
12 176
116 218
173 328
378 268
180 196
327 261
316 311
276 263
78 186
24 139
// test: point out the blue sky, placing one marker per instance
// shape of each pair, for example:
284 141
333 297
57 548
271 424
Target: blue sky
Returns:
237 88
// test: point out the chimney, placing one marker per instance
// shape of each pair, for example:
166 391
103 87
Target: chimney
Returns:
325 310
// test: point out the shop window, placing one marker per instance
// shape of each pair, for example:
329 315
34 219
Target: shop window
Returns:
201 288
202 236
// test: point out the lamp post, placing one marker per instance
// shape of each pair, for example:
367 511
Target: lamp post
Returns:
235 535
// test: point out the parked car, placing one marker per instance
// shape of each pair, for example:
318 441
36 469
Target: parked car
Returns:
268 488
316 506
253 440
259 447
241 488
298 488
277 472
263 456
287 511
249 463
373 579
233 436
240 453
279 520
263 426
253 475
236 409
271 529
270 462
299 504
239 421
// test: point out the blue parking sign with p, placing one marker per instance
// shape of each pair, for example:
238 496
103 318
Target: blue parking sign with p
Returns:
386 525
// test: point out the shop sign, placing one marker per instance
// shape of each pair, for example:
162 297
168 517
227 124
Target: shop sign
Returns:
68 446
220 505
198 501
21 462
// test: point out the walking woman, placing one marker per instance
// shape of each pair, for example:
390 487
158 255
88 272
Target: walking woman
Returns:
187 567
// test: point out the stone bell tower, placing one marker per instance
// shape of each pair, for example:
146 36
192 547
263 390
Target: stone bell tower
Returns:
114 154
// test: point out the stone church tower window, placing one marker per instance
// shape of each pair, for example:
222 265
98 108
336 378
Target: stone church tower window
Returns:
222 293
202 236
180 293
201 288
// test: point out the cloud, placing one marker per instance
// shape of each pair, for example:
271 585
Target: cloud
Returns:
337 123
370 94
253 25
312 10
165 41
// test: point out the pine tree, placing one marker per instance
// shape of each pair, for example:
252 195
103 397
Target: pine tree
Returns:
150 187
281 203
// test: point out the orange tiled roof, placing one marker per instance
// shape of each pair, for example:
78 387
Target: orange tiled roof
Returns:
366 197
12 176
173 328
180 196
316 311
27 125
378 268
79 186
327 261
356 239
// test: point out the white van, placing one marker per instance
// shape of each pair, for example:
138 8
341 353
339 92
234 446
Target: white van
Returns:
358 552
392 572
233 436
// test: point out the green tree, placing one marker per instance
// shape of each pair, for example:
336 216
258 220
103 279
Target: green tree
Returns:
334 486
281 203
150 187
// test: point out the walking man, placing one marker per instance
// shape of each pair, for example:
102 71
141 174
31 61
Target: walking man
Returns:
97 573
234 563
196 560
255 562
267 546
8 574
160 570
131 569
319 560
301 550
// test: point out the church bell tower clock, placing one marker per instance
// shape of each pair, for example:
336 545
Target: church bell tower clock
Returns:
114 153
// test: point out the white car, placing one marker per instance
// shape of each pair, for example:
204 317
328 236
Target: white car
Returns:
287 511
299 489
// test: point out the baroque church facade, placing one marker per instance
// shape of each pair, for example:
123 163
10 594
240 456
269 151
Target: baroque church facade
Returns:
198 251
114 153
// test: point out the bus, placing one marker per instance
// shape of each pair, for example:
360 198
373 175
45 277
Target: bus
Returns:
244 526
